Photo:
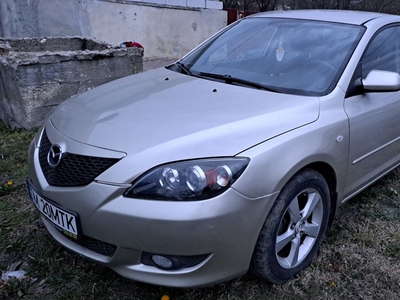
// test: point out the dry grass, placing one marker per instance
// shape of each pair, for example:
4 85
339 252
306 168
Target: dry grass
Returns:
359 259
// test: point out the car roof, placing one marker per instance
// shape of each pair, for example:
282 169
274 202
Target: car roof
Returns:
339 16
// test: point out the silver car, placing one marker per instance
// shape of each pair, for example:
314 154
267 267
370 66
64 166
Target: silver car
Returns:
236 157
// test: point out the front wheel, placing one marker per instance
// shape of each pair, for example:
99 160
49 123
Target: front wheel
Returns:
294 228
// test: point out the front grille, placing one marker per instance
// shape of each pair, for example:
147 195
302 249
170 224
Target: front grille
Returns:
74 169
98 246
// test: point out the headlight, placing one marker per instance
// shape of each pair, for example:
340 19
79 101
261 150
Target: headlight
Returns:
188 180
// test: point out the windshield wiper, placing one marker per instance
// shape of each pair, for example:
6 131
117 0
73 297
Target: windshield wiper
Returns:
185 69
233 80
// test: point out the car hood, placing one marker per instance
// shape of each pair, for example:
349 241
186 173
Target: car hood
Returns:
176 116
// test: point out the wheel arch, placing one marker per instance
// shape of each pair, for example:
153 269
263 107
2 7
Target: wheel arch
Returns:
331 179
264 265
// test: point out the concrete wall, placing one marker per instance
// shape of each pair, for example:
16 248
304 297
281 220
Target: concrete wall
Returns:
37 74
166 28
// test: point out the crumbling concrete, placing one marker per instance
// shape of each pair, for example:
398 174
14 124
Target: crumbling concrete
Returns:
36 74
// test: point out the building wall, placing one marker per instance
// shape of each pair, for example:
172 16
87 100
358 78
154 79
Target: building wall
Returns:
166 28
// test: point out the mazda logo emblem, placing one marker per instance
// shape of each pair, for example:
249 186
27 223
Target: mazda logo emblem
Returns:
54 156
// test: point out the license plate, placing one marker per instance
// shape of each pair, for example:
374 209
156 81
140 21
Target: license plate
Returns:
60 218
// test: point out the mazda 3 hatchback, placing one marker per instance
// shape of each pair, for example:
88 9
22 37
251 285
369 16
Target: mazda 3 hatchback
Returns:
235 157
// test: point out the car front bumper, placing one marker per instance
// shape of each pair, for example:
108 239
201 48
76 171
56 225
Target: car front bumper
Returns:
223 229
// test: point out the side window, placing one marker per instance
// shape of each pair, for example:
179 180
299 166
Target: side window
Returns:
383 53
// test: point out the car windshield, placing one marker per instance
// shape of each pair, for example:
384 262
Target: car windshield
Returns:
300 57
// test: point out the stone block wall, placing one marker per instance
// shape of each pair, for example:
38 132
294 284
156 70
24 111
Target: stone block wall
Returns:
36 74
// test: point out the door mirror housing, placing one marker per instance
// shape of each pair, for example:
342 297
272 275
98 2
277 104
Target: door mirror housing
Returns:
381 81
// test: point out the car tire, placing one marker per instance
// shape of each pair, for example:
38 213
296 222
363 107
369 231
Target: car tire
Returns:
294 228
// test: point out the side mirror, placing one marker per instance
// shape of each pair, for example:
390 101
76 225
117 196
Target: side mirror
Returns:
381 81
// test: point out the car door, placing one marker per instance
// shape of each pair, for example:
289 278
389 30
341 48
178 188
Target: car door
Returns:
374 117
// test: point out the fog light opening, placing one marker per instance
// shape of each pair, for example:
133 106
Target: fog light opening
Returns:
162 261
171 262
